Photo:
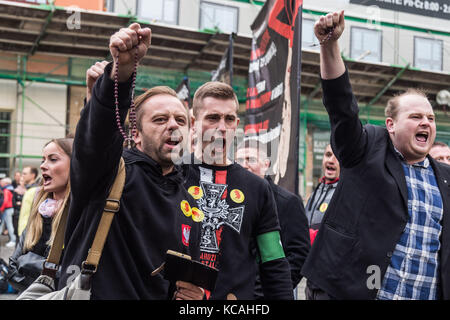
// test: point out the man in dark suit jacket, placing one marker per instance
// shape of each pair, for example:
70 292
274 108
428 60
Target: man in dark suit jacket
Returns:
386 234
291 212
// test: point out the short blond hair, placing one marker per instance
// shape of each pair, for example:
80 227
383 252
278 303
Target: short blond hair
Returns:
214 89
391 109
149 94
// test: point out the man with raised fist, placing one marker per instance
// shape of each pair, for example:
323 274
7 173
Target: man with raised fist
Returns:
390 212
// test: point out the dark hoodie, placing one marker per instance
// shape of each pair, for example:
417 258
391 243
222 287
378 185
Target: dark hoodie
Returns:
150 220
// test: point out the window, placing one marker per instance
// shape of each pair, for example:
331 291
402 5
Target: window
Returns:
5 131
213 15
365 44
308 36
159 10
109 5
428 53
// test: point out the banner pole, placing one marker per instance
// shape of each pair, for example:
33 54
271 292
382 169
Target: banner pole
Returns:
298 23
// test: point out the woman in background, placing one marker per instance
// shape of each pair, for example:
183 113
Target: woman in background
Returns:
27 261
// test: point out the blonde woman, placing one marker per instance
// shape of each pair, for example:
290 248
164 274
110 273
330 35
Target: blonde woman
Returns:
48 204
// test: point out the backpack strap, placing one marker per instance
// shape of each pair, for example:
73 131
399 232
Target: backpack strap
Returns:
51 263
112 206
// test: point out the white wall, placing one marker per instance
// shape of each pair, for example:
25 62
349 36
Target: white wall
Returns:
397 44
8 95
39 127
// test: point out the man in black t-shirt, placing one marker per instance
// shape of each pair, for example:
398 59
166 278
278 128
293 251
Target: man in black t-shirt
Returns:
236 208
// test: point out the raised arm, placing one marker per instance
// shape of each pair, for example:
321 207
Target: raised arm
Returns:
98 142
348 136
328 29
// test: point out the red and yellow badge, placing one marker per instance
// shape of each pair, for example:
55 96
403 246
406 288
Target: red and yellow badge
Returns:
196 192
197 214
186 208
323 207
237 196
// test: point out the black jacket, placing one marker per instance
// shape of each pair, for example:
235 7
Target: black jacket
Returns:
24 268
294 229
368 212
318 202
150 220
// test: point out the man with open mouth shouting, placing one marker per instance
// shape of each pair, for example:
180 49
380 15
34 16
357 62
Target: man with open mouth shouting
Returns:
386 233
238 210
320 199
318 202
152 215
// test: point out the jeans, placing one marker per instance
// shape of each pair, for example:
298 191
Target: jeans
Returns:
8 220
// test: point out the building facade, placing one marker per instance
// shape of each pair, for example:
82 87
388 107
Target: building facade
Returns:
401 34
398 33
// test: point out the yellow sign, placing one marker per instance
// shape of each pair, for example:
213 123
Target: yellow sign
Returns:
197 214
237 196
196 192
186 208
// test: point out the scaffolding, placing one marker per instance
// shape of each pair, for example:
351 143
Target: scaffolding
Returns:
33 35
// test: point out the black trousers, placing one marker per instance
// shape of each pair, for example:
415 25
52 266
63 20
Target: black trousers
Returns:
314 293
15 221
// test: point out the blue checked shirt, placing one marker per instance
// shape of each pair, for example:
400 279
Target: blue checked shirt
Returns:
414 269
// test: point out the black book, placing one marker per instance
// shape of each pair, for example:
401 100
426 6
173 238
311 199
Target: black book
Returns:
179 266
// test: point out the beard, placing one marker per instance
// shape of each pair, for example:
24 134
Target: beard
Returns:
159 153
156 152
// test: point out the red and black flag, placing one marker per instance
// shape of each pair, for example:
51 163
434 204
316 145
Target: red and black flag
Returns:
184 92
273 95
224 73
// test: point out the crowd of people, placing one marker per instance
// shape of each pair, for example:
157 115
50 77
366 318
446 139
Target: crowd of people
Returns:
381 204
14 199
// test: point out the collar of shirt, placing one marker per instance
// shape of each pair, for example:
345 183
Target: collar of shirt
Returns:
424 164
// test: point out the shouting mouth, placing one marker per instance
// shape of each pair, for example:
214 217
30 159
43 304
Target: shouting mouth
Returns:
330 170
422 137
173 141
47 179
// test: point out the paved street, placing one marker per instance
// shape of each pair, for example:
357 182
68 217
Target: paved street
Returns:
5 253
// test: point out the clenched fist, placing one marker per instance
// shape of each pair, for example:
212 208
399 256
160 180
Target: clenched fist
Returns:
332 21
92 74
125 44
